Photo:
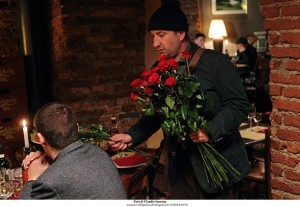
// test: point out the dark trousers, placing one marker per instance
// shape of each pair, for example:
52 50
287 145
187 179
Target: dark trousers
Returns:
187 187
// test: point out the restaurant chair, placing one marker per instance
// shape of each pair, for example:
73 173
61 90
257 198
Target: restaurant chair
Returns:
137 181
259 175
137 185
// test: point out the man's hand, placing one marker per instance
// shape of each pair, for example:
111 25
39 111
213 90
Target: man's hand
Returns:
120 141
200 136
37 167
30 158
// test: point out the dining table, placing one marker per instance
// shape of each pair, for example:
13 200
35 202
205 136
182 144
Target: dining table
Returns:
254 138
137 178
254 135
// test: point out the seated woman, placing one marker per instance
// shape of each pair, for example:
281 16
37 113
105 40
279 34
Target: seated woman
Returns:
246 53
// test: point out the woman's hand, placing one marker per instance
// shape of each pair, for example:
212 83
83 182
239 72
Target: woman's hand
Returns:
201 136
120 141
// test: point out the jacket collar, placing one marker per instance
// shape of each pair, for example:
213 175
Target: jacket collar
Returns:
73 146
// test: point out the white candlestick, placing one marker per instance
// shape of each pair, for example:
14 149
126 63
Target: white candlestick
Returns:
25 132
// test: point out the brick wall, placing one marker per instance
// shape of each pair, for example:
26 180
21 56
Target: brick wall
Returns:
281 19
98 49
190 8
91 74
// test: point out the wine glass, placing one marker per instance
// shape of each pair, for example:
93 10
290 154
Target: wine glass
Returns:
6 189
234 60
251 115
257 119
17 181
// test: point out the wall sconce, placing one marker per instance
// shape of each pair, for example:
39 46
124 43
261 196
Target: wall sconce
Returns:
217 31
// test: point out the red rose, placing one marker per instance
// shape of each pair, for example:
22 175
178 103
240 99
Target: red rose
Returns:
148 90
146 73
144 83
170 81
134 96
173 64
136 83
186 55
154 78
155 70
163 57
163 66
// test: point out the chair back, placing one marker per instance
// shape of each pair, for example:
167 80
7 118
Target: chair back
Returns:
260 172
268 163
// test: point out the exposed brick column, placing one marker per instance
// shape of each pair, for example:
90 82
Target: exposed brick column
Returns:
281 20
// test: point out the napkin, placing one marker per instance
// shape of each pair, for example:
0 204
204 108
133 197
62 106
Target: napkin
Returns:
133 160
263 130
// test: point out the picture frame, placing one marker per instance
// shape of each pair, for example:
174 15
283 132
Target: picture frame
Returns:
224 7
261 43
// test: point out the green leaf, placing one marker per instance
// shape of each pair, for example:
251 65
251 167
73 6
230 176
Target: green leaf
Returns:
172 115
204 125
166 127
192 125
173 127
193 86
179 126
148 110
184 111
165 111
180 136
170 101
188 92
180 90
200 97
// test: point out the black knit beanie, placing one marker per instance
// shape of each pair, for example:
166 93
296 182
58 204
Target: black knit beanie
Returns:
168 17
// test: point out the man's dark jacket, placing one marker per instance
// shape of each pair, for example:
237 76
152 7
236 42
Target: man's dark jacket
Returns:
226 108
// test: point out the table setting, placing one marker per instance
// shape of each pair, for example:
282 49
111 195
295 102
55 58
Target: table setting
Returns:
129 160
250 133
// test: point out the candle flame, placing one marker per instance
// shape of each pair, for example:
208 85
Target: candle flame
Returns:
24 123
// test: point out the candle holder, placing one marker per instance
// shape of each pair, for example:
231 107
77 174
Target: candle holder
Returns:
27 150
25 172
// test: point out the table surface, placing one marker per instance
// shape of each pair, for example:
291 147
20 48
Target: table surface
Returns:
238 65
257 135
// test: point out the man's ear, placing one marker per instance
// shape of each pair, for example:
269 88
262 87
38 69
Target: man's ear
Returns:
41 139
182 35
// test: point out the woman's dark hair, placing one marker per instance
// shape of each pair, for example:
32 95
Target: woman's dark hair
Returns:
199 35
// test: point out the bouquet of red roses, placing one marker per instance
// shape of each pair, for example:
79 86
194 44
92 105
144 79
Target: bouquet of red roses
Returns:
179 98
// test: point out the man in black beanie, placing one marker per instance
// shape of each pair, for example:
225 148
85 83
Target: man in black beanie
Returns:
225 110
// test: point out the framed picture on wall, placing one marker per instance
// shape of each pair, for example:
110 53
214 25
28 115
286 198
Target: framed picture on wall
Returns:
261 45
221 7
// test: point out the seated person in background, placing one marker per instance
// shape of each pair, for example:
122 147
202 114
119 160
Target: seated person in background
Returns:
246 53
69 168
263 101
200 40
252 40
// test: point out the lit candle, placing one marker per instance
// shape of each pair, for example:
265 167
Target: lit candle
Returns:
25 132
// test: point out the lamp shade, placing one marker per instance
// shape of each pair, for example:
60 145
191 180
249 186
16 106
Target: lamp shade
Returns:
217 29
